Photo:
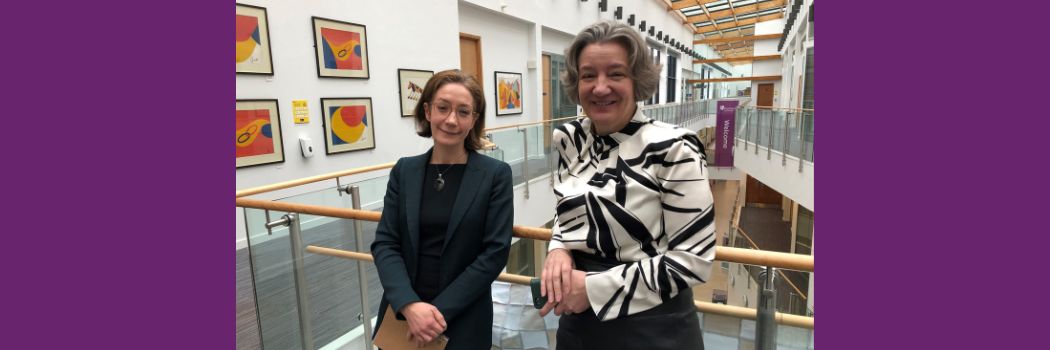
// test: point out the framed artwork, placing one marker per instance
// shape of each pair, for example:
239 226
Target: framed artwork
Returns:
253 41
341 49
258 136
508 93
348 124
411 84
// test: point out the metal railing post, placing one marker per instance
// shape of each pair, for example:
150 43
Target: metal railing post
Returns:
784 150
801 141
355 200
747 124
295 236
765 325
525 159
769 141
758 123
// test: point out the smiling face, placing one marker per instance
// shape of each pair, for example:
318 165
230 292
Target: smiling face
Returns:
606 89
451 115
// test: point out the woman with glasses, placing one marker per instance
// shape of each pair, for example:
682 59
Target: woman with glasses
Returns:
446 227
634 226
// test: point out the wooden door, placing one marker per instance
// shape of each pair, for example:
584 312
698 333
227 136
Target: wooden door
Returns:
760 194
765 95
470 56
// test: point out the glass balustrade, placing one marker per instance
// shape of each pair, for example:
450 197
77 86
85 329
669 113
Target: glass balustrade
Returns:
332 310
785 131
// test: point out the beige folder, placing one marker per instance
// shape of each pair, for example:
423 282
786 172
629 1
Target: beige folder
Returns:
393 335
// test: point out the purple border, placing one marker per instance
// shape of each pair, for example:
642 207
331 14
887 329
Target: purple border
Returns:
924 182
122 240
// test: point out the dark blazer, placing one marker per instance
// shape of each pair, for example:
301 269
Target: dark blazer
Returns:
476 245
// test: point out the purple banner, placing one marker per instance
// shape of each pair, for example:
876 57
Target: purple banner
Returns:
725 126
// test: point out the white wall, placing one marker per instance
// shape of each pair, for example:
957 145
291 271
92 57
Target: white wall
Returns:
767 67
794 58
555 41
295 77
504 48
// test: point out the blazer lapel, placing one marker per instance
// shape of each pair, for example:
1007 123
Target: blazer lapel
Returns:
473 175
413 193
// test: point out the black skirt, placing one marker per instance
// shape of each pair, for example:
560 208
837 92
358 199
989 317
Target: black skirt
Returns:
671 325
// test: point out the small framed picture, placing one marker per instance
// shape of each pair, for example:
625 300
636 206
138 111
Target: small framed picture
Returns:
258 136
348 124
412 82
508 93
253 41
341 49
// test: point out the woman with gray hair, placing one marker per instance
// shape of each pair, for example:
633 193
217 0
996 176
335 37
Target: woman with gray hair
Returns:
634 229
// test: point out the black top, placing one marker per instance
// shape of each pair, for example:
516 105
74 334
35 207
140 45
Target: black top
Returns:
435 210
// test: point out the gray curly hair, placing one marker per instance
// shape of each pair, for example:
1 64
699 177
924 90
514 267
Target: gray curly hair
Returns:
641 70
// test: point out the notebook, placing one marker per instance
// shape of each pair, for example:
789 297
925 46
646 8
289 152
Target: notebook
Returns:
392 335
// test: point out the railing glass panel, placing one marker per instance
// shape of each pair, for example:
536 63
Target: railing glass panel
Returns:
787 131
333 293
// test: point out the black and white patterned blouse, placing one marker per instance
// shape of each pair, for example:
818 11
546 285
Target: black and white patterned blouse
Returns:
639 196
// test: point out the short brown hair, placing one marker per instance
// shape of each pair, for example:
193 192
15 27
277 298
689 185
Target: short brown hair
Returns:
640 67
453 76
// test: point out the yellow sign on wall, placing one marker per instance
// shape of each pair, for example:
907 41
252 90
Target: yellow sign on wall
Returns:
300 112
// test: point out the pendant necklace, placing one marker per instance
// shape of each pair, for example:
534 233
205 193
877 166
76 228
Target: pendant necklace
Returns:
439 184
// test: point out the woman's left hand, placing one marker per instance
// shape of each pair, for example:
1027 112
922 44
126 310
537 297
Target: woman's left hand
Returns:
575 300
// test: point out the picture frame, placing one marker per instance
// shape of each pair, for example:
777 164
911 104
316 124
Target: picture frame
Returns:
341 49
253 41
508 93
410 84
258 133
348 124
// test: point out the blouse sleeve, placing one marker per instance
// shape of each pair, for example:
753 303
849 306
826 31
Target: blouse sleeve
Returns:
688 227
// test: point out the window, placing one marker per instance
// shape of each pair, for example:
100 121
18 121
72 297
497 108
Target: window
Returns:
656 60
672 68
807 90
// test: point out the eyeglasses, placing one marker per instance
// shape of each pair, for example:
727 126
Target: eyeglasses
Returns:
445 109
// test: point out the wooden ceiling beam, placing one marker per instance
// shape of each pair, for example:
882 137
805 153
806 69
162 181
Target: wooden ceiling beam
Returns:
686 4
733 59
732 10
739 11
704 7
737 38
722 80
749 21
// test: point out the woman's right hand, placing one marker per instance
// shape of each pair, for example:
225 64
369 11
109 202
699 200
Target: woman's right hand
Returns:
425 322
556 278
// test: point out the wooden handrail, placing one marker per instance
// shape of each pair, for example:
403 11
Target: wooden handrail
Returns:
312 179
728 254
755 247
705 307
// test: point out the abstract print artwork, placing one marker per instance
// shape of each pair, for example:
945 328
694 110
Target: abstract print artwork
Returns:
341 49
258 133
508 93
348 124
411 82
253 41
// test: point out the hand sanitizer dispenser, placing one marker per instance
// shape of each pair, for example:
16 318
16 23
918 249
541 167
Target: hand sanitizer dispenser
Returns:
307 146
